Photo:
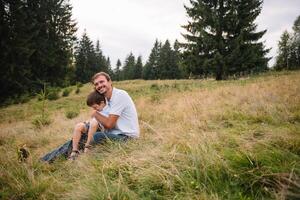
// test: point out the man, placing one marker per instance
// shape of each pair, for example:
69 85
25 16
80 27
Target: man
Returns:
120 124
122 117
122 120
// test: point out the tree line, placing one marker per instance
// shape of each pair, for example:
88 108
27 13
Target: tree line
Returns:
36 41
288 57
89 59
39 45
163 63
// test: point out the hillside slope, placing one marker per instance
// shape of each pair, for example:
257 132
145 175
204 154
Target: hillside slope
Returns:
200 139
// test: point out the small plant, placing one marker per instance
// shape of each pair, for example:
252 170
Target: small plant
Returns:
53 94
43 119
66 92
176 86
77 90
79 84
70 114
166 86
155 98
154 86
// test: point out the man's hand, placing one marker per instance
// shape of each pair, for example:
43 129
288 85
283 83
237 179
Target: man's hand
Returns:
108 122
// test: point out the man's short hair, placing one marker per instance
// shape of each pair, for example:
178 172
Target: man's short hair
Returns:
95 98
100 74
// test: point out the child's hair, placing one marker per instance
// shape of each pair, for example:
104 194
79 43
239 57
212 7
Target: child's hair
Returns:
95 98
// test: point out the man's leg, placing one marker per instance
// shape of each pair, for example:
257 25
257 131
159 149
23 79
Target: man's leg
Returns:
62 150
100 137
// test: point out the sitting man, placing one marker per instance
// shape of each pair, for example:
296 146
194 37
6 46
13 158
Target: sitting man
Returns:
120 119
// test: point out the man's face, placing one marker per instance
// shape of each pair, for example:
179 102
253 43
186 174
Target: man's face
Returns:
102 85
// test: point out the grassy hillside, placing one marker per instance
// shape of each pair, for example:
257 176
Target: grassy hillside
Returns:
200 139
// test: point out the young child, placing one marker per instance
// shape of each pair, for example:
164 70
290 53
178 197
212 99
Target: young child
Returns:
96 101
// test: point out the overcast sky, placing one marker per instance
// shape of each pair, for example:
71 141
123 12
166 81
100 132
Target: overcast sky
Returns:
124 26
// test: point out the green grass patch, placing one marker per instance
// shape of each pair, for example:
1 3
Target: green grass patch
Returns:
70 114
41 121
66 92
53 93
29 180
264 170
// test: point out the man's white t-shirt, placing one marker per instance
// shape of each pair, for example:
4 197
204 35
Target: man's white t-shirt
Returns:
122 105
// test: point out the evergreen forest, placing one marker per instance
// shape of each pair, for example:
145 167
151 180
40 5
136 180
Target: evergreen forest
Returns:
39 47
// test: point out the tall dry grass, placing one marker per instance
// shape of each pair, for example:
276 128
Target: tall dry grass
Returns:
199 140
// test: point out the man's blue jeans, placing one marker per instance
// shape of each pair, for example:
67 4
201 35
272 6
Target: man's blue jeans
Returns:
66 149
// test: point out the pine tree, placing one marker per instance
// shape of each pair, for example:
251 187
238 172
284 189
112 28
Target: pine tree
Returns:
101 63
295 45
108 67
129 65
4 46
167 64
288 56
85 59
138 68
150 70
221 38
245 53
202 38
16 34
117 72
54 39
283 52
36 44
182 73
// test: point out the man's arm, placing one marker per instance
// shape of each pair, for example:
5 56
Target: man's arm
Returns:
108 122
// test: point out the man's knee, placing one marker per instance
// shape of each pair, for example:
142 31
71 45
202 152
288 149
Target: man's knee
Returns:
99 137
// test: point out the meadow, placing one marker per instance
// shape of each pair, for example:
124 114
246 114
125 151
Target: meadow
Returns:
200 139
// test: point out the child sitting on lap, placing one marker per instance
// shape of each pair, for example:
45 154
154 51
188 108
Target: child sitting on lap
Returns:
96 101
